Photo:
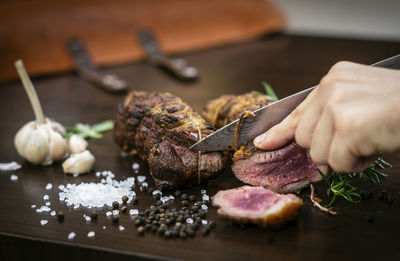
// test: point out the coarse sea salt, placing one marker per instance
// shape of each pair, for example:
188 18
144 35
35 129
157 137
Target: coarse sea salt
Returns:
9 166
141 179
43 222
135 166
108 213
133 212
71 235
206 197
52 213
49 186
104 193
121 228
33 206
48 203
43 209
204 222
91 234
46 197
203 191
14 177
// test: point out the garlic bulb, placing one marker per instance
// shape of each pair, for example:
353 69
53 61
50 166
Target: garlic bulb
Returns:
79 163
77 144
41 143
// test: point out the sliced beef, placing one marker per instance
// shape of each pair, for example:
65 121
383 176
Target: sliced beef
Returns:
283 170
256 205
160 128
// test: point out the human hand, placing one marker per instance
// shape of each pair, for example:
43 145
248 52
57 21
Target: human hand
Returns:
352 115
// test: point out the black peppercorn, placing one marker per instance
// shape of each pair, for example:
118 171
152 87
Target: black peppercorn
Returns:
115 205
148 227
195 209
150 190
125 199
212 224
182 234
184 196
369 218
159 203
185 202
202 214
174 233
140 230
134 201
115 220
192 198
60 216
93 216
190 232
123 209
178 193
157 196
167 234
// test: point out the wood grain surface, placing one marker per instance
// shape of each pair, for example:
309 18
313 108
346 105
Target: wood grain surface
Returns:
289 64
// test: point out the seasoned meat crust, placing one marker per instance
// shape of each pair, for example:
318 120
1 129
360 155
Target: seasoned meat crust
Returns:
160 128
256 205
228 108
283 170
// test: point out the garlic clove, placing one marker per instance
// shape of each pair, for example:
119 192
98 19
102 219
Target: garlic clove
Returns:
77 144
58 146
79 163
22 137
57 127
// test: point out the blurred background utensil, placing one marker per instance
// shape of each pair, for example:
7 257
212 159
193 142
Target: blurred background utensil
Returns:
177 66
87 70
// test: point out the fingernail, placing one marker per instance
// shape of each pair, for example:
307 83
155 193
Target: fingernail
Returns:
259 139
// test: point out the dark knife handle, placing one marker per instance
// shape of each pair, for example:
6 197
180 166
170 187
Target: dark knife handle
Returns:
178 66
87 70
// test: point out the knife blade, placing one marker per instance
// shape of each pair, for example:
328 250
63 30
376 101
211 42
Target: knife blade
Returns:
265 118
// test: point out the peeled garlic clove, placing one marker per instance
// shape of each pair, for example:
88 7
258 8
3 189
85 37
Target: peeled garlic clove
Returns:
79 163
77 144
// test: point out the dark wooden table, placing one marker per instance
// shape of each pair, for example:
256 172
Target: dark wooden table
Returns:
289 64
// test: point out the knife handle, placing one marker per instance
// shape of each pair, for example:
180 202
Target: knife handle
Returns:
87 70
178 66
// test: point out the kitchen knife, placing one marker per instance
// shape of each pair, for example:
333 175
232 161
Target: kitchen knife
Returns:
265 118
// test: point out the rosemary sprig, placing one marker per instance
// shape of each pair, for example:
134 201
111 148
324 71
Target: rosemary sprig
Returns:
340 186
270 93
94 131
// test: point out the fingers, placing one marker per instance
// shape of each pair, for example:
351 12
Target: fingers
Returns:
277 136
342 159
284 132
322 138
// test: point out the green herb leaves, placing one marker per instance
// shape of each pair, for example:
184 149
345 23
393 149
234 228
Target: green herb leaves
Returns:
270 93
86 131
339 183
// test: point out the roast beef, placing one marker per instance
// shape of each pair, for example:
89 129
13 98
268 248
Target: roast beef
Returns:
256 205
283 170
160 128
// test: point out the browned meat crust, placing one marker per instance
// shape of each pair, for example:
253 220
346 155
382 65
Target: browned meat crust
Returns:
228 108
160 128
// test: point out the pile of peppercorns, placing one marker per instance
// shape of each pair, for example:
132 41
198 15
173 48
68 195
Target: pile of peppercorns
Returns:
173 223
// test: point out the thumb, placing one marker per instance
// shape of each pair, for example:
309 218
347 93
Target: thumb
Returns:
277 136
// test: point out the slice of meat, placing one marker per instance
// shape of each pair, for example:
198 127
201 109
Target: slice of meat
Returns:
283 170
287 169
257 205
160 128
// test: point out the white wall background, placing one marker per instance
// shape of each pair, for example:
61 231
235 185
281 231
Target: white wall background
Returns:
364 19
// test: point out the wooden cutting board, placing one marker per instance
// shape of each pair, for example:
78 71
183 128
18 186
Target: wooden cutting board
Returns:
36 31
283 61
